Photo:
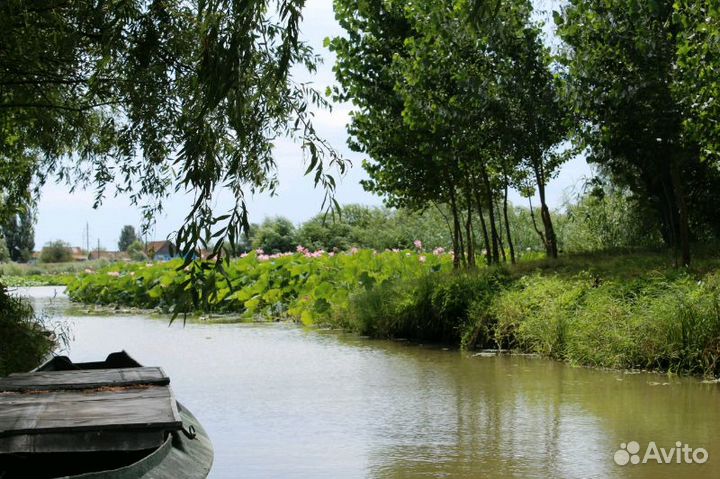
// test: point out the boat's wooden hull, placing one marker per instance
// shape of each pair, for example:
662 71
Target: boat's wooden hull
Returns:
179 458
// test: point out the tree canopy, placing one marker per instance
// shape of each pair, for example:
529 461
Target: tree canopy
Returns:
449 111
151 97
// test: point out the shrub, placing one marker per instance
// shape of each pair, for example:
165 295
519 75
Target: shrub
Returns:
56 252
24 339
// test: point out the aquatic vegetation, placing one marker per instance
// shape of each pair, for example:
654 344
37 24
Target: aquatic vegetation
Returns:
606 315
302 285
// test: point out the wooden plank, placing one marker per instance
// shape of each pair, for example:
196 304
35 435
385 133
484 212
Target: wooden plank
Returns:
87 441
82 379
150 407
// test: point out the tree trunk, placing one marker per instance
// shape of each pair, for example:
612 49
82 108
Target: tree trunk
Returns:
507 224
535 226
683 220
456 230
550 239
486 239
491 217
469 231
500 233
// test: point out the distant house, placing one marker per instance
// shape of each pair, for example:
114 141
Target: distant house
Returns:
161 250
78 254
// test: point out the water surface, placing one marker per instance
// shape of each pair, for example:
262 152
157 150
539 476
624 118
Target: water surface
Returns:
280 401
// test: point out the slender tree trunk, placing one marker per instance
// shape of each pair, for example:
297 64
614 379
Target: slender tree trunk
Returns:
507 224
486 239
672 217
456 229
469 231
491 217
550 239
535 226
683 226
500 233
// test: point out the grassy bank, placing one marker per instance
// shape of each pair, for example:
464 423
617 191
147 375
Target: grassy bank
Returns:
617 310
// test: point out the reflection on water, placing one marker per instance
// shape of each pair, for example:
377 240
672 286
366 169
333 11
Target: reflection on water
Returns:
285 402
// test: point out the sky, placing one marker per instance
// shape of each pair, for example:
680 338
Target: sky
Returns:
64 216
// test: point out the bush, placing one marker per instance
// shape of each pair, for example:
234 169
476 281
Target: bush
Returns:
56 252
24 340
434 307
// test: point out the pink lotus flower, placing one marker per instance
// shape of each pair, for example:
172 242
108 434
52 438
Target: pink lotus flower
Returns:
263 257
438 251
331 254
418 244
353 250
422 258
259 251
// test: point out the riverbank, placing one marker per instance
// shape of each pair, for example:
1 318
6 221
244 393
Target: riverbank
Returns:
610 310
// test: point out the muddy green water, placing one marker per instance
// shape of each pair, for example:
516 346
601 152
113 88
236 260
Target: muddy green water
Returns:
280 401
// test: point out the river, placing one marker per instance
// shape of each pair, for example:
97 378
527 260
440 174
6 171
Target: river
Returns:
282 401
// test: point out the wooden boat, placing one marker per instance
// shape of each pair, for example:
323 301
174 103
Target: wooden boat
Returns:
112 419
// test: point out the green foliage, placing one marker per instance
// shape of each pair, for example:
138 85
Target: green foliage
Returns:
664 322
4 253
127 238
449 112
433 307
375 228
303 286
136 251
19 233
150 98
606 220
275 235
26 340
640 115
56 252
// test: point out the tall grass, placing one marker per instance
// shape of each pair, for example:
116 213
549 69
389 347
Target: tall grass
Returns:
668 323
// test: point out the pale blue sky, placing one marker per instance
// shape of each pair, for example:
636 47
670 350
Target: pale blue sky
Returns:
64 216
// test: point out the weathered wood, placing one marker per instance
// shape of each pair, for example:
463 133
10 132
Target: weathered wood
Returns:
88 441
82 379
151 407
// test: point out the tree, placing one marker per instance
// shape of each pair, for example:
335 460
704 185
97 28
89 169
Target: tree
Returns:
450 112
56 252
633 109
136 251
19 232
148 98
127 237
275 235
